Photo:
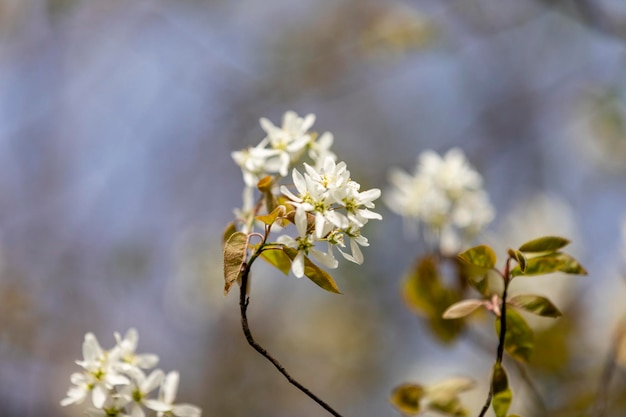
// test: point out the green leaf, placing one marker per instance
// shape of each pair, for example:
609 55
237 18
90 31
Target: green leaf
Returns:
519 338
541 265
315 273
461 309
406 398
536 304
447 405
571 265
424 293
502 394
235 251
544 244
278 258
482 257
520 258
547 264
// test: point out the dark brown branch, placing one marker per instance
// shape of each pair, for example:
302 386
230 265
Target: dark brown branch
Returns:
243 304
500 351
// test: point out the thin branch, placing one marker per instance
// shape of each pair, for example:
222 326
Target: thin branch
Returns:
243 304
500 351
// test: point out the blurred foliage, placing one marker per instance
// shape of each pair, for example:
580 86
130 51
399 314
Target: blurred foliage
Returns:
425 291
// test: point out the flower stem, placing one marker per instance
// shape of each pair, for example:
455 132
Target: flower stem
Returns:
243 304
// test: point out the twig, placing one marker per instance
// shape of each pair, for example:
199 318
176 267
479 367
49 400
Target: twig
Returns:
500 351
243 304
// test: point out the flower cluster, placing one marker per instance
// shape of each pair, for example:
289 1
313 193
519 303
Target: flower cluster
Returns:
329 206
445 194
338 209
119 385
281 147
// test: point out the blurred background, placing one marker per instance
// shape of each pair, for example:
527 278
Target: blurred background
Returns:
117 119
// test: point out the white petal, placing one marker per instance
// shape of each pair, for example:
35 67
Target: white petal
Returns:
299 182
99 395
157 405
91 348
186 410
301 221
356 252
324 258
289 194
320 221
152 381
308 122
297 266
147 360
170 387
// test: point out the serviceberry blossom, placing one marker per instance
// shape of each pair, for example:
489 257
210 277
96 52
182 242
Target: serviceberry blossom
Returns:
282 147
117 383
339 210
445 194
330 208
164 405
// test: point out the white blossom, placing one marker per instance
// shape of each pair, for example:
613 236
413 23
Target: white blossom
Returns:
330 207
445 194
164 405
118 385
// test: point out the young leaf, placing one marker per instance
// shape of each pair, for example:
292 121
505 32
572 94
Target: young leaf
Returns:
278 258
544 244
553 262
502 394
520 258
482 257
519 338
269 219
265 184
406 398
571 265
461 309
541 265
451 386
448 405
536 304
228 231
425 294
315 273
235 251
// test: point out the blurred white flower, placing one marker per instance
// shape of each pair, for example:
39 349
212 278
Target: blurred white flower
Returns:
115 378
445 194
164 405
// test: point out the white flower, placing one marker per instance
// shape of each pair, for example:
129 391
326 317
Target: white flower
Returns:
286 141
253 163
304 244
445 194
136 393
319 149
99 377
451 173
112 407
127 347
165 406
353 200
